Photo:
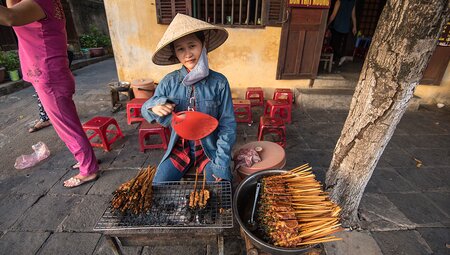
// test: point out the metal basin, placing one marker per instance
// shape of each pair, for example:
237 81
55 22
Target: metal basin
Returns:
242 208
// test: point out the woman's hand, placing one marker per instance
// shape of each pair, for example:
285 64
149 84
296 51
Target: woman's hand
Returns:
163 110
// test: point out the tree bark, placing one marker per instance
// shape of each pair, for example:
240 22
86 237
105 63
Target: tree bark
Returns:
406 36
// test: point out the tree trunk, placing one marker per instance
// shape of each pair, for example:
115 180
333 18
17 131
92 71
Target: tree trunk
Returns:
406 36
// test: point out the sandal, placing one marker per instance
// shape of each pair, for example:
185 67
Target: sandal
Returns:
75 182
77 165
39 125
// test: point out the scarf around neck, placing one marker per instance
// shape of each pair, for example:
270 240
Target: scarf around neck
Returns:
199 72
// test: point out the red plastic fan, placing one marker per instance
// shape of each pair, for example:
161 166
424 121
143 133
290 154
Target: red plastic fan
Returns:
193 125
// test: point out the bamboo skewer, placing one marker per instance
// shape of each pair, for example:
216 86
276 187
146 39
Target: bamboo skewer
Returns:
135 195
322 240
294 205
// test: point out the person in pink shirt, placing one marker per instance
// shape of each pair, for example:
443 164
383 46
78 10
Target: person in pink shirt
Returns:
41 32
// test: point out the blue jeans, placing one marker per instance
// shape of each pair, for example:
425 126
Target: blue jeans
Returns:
168 172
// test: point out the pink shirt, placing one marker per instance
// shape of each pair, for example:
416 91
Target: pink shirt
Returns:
43 46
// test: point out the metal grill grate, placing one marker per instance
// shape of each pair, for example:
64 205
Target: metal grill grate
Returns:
170 209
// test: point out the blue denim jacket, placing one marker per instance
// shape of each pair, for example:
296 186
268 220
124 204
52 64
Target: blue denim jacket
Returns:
212 96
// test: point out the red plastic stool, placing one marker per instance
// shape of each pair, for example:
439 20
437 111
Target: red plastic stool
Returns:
243 111
280 108
255 95
147 129
100 126
283 93
272 125
134 110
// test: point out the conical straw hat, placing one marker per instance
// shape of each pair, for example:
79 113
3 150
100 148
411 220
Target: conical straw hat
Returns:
183 25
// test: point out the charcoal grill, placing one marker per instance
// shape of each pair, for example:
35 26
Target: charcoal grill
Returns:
170 216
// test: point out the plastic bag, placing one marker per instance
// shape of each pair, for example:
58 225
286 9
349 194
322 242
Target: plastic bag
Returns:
40 153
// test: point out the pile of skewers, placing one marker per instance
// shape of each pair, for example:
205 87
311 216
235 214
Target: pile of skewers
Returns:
294 211
135 195
199 198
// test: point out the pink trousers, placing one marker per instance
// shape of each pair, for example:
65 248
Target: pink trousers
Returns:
58 103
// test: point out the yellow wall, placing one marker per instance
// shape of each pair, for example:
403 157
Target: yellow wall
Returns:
435 94
248 58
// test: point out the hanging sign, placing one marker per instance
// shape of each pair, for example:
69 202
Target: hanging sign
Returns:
309 3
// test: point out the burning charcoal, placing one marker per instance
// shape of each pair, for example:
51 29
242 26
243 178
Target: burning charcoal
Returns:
170 208
190 214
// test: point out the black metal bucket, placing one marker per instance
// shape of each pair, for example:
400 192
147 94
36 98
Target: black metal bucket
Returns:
242 208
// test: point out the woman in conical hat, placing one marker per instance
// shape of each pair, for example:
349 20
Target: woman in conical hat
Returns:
193 87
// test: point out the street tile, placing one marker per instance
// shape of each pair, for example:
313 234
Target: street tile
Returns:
153 157
337 116
104 248
320 174
106 158
13 207
353 243
432 157
316 158
387 180
164 250
129 156
441 200
416 207
71 243
47 214
320 141
110 180
59 187
9 182
380 214
58 158
422 141
417 124
398 158
38 181
295 143
321 129
437 238
372 187
85 215
407 242
427 178
233 245
319 115
20 243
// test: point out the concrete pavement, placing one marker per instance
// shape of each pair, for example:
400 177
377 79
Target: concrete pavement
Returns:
405 209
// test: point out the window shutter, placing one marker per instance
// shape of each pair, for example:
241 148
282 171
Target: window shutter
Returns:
167 9
275 12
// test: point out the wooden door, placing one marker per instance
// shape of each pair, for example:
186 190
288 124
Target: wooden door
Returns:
436 66
301 43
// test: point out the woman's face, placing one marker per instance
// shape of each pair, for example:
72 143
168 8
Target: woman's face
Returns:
188 50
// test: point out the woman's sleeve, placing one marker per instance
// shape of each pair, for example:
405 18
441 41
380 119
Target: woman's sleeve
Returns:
159 98
220 166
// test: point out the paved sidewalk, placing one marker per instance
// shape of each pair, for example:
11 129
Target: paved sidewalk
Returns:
405 209
13 86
